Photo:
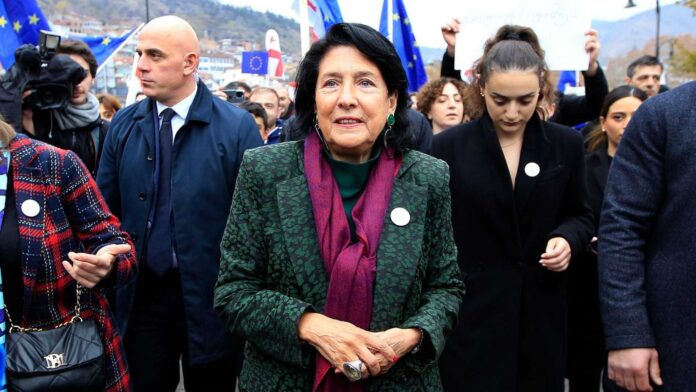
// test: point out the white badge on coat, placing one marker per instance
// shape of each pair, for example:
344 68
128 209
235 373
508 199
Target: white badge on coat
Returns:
532 169
30 208
400 216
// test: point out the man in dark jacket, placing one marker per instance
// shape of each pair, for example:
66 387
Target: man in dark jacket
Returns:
78 126
168 170
646 248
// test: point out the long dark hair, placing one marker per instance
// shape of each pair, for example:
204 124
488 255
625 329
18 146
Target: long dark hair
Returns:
375 47
597 138
511 48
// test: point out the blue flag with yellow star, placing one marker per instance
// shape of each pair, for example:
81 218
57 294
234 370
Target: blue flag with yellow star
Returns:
255 62
330 12
20 23
405 43
103 46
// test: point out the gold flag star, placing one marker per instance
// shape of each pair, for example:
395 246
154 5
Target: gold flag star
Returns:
106 41
3 21
410 64
406 21
17 26
415 44
33 19
396 17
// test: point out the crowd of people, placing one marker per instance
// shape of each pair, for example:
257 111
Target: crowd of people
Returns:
489 234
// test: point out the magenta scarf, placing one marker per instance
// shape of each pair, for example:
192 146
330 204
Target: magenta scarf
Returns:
351 268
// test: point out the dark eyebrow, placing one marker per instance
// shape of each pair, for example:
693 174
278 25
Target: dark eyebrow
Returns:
338 74
530 95
152 51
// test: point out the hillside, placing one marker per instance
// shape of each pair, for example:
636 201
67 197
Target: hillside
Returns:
208 17
633 33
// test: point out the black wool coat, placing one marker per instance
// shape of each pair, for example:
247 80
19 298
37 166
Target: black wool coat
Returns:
586 352
511 331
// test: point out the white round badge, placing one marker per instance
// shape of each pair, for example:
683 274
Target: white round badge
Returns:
400 216
532 169
30 208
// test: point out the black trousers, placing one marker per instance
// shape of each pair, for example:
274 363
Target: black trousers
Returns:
156 340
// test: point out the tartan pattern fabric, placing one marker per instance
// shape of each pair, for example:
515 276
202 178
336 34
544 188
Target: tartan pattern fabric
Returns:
73 217
4 166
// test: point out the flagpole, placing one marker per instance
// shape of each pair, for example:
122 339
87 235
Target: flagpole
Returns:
101 66
390 19
304 26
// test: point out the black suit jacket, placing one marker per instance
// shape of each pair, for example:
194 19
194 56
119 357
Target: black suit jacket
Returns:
512 319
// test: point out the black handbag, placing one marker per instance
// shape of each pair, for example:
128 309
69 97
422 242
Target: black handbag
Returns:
68 357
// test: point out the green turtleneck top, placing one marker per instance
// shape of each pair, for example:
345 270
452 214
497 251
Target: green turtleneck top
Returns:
351 179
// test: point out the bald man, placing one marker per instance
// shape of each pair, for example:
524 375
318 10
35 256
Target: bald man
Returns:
168 171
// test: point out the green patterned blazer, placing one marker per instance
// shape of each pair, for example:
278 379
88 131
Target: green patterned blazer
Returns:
271 270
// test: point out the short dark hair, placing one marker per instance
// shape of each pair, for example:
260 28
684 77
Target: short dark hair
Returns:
237 85
256 110
377 49
265 90
646 60
79 48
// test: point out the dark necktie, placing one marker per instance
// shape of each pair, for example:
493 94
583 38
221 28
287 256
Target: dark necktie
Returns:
160 254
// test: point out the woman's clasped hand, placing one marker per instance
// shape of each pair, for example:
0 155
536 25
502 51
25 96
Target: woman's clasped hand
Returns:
341 342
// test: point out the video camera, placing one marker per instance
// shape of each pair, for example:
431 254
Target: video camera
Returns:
50 78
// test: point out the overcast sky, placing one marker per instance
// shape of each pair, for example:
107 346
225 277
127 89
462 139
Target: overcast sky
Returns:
428 15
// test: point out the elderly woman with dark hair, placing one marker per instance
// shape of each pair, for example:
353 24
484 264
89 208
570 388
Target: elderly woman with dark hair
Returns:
339 266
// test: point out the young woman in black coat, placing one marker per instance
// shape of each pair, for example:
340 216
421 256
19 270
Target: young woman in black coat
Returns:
586 354
520 215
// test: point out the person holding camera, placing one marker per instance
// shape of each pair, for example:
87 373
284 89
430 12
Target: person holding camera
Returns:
77 126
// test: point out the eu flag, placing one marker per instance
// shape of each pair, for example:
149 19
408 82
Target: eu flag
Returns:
255 62
330 12
103 46
405 43
20 23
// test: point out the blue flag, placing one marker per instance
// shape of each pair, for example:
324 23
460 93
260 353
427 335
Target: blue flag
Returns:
255 62
330 11
405 43
566 77
103 46
20 23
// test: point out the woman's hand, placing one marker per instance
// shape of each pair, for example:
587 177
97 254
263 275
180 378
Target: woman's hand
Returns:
402 341
88 270
340 342
557 256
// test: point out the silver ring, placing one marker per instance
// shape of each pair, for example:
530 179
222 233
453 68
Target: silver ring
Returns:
353 370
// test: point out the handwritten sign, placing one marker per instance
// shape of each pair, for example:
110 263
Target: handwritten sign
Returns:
559 24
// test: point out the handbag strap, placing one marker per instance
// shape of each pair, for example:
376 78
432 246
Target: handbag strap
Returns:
75 318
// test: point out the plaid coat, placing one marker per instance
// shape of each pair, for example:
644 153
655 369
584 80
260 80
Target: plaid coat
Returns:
72 217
